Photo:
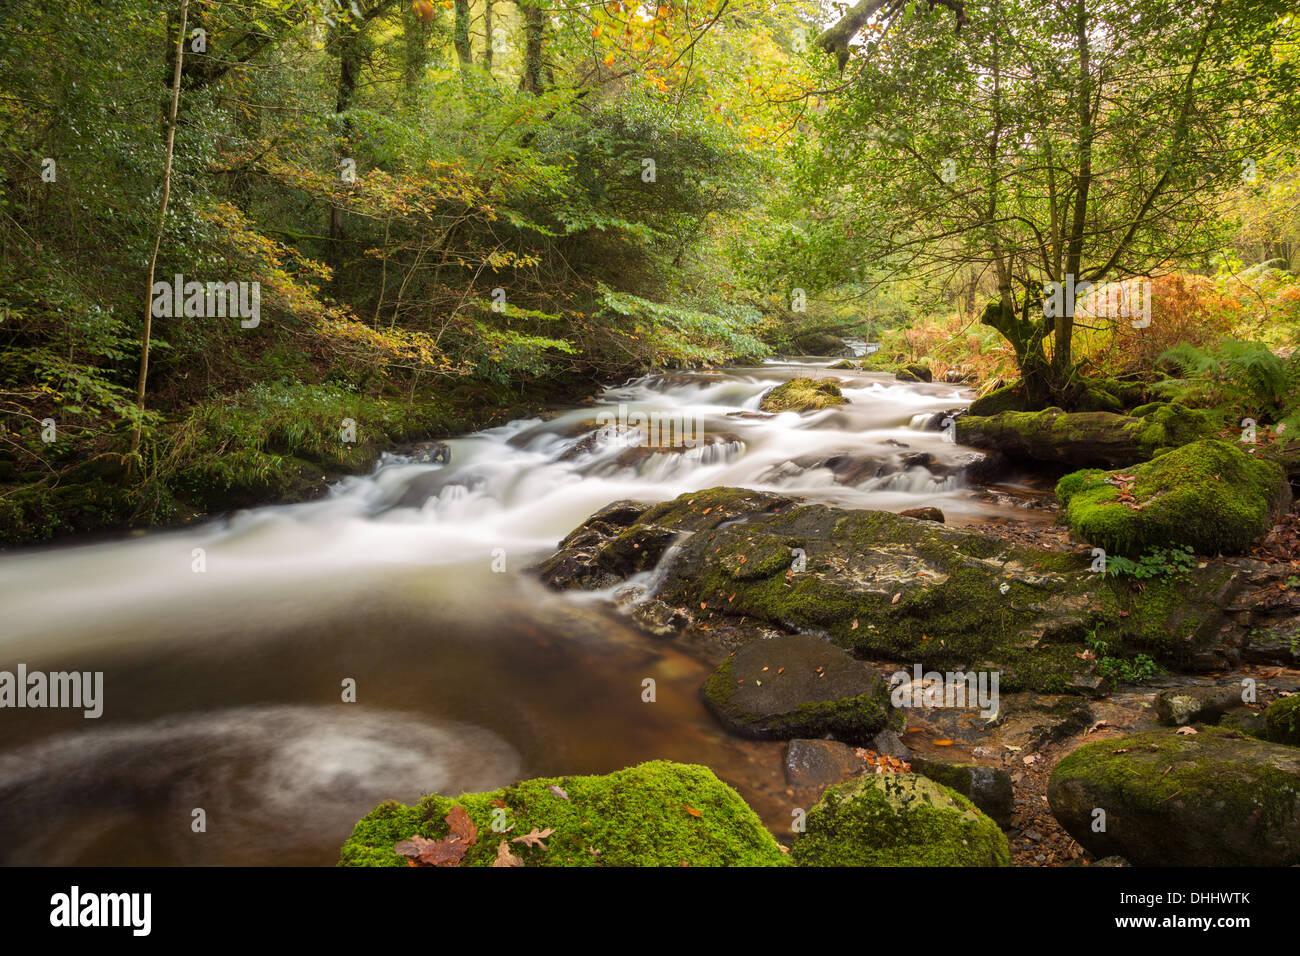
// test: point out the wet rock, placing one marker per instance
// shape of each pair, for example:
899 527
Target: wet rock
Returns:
1196 704
819 763
923 514
1212 798
898 819
798 685
989 788
890 587
921 592
802 395
429 452
659 619
888 742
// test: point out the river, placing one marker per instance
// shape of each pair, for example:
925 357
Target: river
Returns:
224 687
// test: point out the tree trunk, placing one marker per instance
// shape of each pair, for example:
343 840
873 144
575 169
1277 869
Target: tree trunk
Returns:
349 52
487 34
534 26
147 332
1061 353
415 56
464 52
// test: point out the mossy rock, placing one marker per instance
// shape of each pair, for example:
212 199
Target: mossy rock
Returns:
885 586
1210 496
1212 798
654 814
1007 399
898 819
799 685
1081 439
989 788
802 395
843 365
914 372
1282 721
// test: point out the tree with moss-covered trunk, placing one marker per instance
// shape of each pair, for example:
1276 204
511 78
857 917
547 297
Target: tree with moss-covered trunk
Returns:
1042 143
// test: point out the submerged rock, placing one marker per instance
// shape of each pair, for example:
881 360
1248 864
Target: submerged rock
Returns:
798 685
654 814
802 395
819 763
1210 496
1211 798
898 819
1085 439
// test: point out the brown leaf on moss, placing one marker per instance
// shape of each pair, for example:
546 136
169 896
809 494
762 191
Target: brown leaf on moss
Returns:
534 837
505 857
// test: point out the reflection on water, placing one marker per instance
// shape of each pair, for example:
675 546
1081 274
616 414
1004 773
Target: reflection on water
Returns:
223 687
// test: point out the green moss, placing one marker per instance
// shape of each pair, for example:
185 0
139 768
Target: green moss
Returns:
1151 768
913 372
898 820
1209 496
1008 399
802 395
855 720
964 600
1282 721
1168 425
633 817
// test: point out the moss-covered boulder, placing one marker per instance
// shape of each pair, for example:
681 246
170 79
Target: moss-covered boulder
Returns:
1210 496
885 586
1009 398
1282 721
654 814
914 372
898 819
802 395
1081 439
820 343
799 685
989 788
1211 798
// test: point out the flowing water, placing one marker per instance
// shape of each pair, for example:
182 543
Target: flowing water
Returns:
223 687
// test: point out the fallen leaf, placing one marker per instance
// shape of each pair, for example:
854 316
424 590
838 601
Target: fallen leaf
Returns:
1185 730
692 811
505 857
462 827
896 597
534 837
562 794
